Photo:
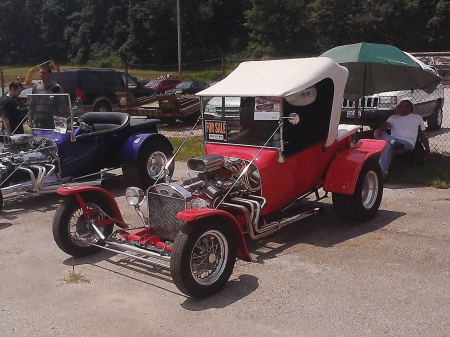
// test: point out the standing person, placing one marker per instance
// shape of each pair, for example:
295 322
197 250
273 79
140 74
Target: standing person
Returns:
12 120
404 128
46 85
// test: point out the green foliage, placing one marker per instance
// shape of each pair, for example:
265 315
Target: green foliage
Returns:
145 31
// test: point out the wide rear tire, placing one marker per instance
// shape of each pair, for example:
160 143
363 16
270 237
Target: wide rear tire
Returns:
365 201
203 257
72 233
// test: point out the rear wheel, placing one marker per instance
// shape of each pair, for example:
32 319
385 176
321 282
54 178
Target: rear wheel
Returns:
203 257
366 198
72 232
151 161
103 107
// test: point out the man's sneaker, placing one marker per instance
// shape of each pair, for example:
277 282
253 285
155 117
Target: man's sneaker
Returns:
397 146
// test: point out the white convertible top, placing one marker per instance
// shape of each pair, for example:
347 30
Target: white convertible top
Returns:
282 78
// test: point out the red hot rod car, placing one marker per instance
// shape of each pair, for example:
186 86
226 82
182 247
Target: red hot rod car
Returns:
250 182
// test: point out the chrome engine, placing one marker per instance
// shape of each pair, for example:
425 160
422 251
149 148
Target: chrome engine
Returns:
221 181
26 162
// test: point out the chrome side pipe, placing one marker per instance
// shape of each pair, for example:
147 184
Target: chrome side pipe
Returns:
137 250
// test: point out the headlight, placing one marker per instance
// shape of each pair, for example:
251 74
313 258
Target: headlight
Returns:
200 203
135 196
388 100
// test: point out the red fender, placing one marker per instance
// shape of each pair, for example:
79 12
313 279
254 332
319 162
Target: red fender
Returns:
77 190
200 213
344 170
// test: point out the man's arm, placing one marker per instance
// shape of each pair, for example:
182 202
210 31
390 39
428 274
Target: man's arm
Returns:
383 127
424 139
7 125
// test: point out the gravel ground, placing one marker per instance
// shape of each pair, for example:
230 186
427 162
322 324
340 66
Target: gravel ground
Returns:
319 277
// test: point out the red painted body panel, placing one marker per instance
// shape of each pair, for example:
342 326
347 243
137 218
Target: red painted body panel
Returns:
344 170
201 213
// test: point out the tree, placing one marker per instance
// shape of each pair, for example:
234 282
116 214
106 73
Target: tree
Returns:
279 28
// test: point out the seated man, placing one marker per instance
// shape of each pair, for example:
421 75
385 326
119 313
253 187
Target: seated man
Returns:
404 127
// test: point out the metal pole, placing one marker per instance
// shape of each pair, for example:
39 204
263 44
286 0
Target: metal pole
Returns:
179 37
3 82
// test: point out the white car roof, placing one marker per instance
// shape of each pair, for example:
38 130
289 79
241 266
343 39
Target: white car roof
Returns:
283 78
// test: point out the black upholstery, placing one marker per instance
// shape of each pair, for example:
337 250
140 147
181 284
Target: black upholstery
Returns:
105 121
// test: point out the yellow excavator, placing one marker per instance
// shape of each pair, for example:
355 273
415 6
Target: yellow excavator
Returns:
27 81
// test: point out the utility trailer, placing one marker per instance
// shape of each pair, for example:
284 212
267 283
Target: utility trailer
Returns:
161 106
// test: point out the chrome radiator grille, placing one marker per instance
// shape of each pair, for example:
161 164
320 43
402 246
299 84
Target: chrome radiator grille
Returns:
163 215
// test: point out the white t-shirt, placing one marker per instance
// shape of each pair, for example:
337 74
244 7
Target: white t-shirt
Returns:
405 127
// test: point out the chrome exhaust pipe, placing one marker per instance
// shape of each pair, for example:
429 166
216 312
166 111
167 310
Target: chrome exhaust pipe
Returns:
123 247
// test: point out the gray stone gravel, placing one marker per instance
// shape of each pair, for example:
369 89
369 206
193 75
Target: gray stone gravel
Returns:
319 277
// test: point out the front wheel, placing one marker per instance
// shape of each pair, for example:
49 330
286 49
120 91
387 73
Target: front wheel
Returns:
203 257
435 120
151 161
72 232
366 198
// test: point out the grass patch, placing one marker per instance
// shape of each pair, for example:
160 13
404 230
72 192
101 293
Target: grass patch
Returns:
12 72
192 148
433 172
76 278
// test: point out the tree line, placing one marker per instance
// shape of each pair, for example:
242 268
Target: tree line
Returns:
145 31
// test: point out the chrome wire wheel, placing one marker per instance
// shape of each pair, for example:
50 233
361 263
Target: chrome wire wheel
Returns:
369 190
72 232
81 231
155 164
209 257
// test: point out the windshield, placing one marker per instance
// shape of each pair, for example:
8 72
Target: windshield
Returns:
183 85
246 121
43 109
132 81
152 84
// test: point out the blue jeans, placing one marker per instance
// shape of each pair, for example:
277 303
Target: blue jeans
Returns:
386 155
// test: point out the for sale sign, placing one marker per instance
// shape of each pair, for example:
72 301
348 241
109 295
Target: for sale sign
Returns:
216 130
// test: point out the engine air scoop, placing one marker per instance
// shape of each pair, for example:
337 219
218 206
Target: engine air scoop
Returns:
206 163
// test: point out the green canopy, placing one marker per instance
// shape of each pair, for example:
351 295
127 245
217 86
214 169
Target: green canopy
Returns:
375 68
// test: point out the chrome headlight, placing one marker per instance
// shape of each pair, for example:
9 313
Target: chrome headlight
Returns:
388 101
135 196
200 203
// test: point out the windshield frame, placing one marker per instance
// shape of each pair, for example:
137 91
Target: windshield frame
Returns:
43 108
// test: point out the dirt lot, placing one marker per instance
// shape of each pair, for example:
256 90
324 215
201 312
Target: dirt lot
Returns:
319 277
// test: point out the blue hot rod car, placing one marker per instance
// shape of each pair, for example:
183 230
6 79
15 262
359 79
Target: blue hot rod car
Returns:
63 149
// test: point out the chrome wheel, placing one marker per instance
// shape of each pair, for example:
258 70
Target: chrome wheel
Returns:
72 232
209 257
155 164
370 189
80 231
